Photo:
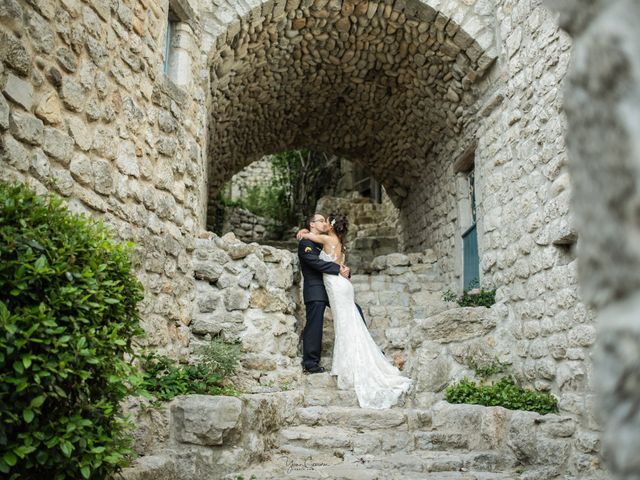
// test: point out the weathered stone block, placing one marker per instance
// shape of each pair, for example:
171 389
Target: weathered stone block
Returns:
72 94
57 145
207 323
14 53
14 153
26 127
40 165
81 134
236 298
455 325
208 300
48 109
81 169
151 467
103 175
4 114
126 160
63 181
204 419
19 90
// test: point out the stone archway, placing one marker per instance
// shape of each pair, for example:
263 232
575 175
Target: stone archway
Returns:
380 83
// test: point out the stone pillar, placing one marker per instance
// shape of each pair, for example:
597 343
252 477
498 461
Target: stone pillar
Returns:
179 70
602 102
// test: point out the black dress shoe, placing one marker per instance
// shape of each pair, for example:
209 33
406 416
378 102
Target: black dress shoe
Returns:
315 369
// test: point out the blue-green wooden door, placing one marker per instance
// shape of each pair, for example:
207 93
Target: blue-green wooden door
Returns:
471 266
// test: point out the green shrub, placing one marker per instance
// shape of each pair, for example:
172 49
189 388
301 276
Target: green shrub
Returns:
164 379
67 316
300 179
485 370
504 393
485 298
220 357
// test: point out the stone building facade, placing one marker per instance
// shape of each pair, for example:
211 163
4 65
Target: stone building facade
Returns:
88 112
140 111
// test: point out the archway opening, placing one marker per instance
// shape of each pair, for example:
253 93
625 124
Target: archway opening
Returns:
384 84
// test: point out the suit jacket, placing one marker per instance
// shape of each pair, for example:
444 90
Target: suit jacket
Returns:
312 269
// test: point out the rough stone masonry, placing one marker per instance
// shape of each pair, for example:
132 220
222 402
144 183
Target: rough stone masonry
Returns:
89 110
602 104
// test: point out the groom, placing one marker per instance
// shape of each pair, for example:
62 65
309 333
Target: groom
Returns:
314 293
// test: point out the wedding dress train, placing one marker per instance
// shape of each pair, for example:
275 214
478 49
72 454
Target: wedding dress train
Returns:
357 361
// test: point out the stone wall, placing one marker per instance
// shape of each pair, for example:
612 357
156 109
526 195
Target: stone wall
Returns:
403 87
372 227
248 226
258 174
249 292
525 233
87 112
602 104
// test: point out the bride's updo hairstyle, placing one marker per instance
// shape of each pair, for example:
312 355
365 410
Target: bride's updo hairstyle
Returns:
341 226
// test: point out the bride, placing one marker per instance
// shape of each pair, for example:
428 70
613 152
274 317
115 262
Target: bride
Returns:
357 361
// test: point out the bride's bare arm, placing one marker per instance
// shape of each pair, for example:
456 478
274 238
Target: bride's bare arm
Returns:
314 237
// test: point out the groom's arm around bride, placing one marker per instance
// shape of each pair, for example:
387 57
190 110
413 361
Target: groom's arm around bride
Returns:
313 267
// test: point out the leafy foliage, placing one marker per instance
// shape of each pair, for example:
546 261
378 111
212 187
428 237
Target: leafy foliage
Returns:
68 313
485 298
300 178
164 379
269 201
220 357
504 393
488 369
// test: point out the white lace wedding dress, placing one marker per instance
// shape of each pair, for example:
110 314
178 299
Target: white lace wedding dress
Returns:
357 360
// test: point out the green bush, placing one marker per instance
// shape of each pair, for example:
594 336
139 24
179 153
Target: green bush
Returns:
67 316
300 179
485 298
220 357
164 379
268 201
488 369
504 393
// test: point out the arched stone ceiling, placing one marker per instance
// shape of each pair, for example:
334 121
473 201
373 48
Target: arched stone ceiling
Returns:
377 82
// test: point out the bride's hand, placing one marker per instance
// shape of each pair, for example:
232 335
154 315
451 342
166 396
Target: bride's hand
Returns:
345 271
301 233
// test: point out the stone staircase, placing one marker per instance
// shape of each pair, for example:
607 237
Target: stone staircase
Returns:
309 429
330 437
319 432
372 228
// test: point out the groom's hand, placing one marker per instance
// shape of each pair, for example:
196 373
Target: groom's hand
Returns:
300 233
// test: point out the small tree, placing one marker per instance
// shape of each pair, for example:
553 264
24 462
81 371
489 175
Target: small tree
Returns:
67 317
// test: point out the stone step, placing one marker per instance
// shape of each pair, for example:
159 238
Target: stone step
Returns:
364 418
314 464
290 245
361 441
330 396
321 389
430 462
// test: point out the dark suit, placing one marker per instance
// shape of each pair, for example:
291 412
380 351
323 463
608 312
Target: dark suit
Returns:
315 298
